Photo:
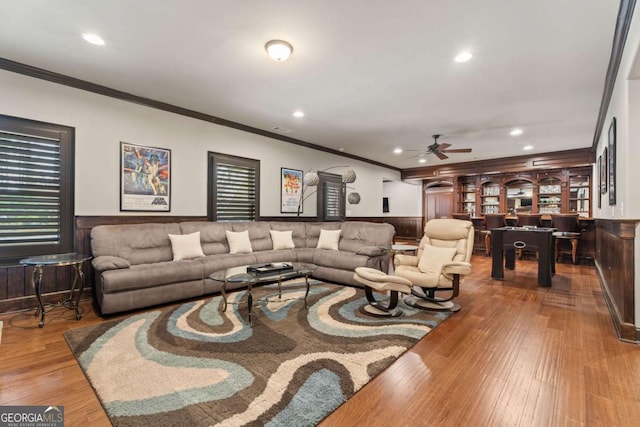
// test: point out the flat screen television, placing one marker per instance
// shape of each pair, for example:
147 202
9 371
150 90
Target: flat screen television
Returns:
526 202
385 205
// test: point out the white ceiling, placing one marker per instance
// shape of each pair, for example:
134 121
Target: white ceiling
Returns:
371 75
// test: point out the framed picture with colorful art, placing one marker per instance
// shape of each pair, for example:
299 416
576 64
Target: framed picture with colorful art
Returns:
145 178
290 190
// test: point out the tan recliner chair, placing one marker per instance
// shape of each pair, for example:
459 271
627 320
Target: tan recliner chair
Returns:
442 261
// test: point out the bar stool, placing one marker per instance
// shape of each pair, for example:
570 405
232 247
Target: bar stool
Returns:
567 229
463 216
491 221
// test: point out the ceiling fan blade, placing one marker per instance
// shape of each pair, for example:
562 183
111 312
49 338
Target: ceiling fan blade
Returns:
441 156
443 146
457 150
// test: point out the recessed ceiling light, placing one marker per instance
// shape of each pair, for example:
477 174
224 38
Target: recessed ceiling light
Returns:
527 147
279 50
93 39
298 113
340 149
422 161
516 132
398 151
463 56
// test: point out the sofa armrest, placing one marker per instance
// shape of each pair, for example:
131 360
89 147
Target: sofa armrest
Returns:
401 259
107 262
371 251
460 267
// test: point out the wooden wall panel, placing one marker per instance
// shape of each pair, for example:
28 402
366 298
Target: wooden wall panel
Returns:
615 264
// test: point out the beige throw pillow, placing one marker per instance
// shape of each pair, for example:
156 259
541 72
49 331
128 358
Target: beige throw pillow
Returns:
186 246
329 239
433 257
239 242
282 239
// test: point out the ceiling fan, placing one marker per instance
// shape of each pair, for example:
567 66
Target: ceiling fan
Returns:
440 149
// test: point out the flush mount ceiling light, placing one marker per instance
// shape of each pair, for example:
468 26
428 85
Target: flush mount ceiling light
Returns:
93 39
516 132
278 50
463 56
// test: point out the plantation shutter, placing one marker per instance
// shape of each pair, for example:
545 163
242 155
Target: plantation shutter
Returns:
235 188
331 200
35 210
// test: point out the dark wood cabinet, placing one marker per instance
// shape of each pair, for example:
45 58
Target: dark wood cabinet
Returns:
559 191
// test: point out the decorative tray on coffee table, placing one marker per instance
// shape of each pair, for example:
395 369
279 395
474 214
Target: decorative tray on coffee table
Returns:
270 268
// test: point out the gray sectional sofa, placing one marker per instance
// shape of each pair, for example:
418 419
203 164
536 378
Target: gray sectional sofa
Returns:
134 265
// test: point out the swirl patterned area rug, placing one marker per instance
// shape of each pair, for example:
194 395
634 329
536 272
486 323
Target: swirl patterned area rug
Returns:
194 365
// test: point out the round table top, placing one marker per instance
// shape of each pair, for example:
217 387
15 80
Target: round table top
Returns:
56 259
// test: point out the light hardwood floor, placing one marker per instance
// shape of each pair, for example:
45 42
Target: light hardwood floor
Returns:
515 355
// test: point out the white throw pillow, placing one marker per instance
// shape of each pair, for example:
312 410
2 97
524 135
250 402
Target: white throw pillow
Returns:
433 257
329 239
282 239
239 242
186 246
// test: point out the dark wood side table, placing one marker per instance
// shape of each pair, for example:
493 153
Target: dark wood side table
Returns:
57 260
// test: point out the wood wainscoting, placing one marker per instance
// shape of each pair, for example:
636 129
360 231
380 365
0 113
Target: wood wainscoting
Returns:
615 263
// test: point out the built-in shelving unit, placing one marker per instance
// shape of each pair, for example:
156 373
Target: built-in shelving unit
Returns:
550 196
549 192
468 198
580 195
490 197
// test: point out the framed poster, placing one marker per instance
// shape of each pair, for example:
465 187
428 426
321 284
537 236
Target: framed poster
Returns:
603 172
290 190
611 163
145 178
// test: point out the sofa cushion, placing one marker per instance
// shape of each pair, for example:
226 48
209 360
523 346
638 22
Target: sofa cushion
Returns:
433 257
151 275
258 234
137 243
186 246
297 228
312 232
212 235
107 262
328 239
239 242
282 239
358 234
339 259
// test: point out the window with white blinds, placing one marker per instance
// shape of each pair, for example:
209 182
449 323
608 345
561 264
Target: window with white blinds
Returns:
36 188
234 188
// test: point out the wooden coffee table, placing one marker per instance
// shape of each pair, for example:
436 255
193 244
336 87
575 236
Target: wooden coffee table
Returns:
240 275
